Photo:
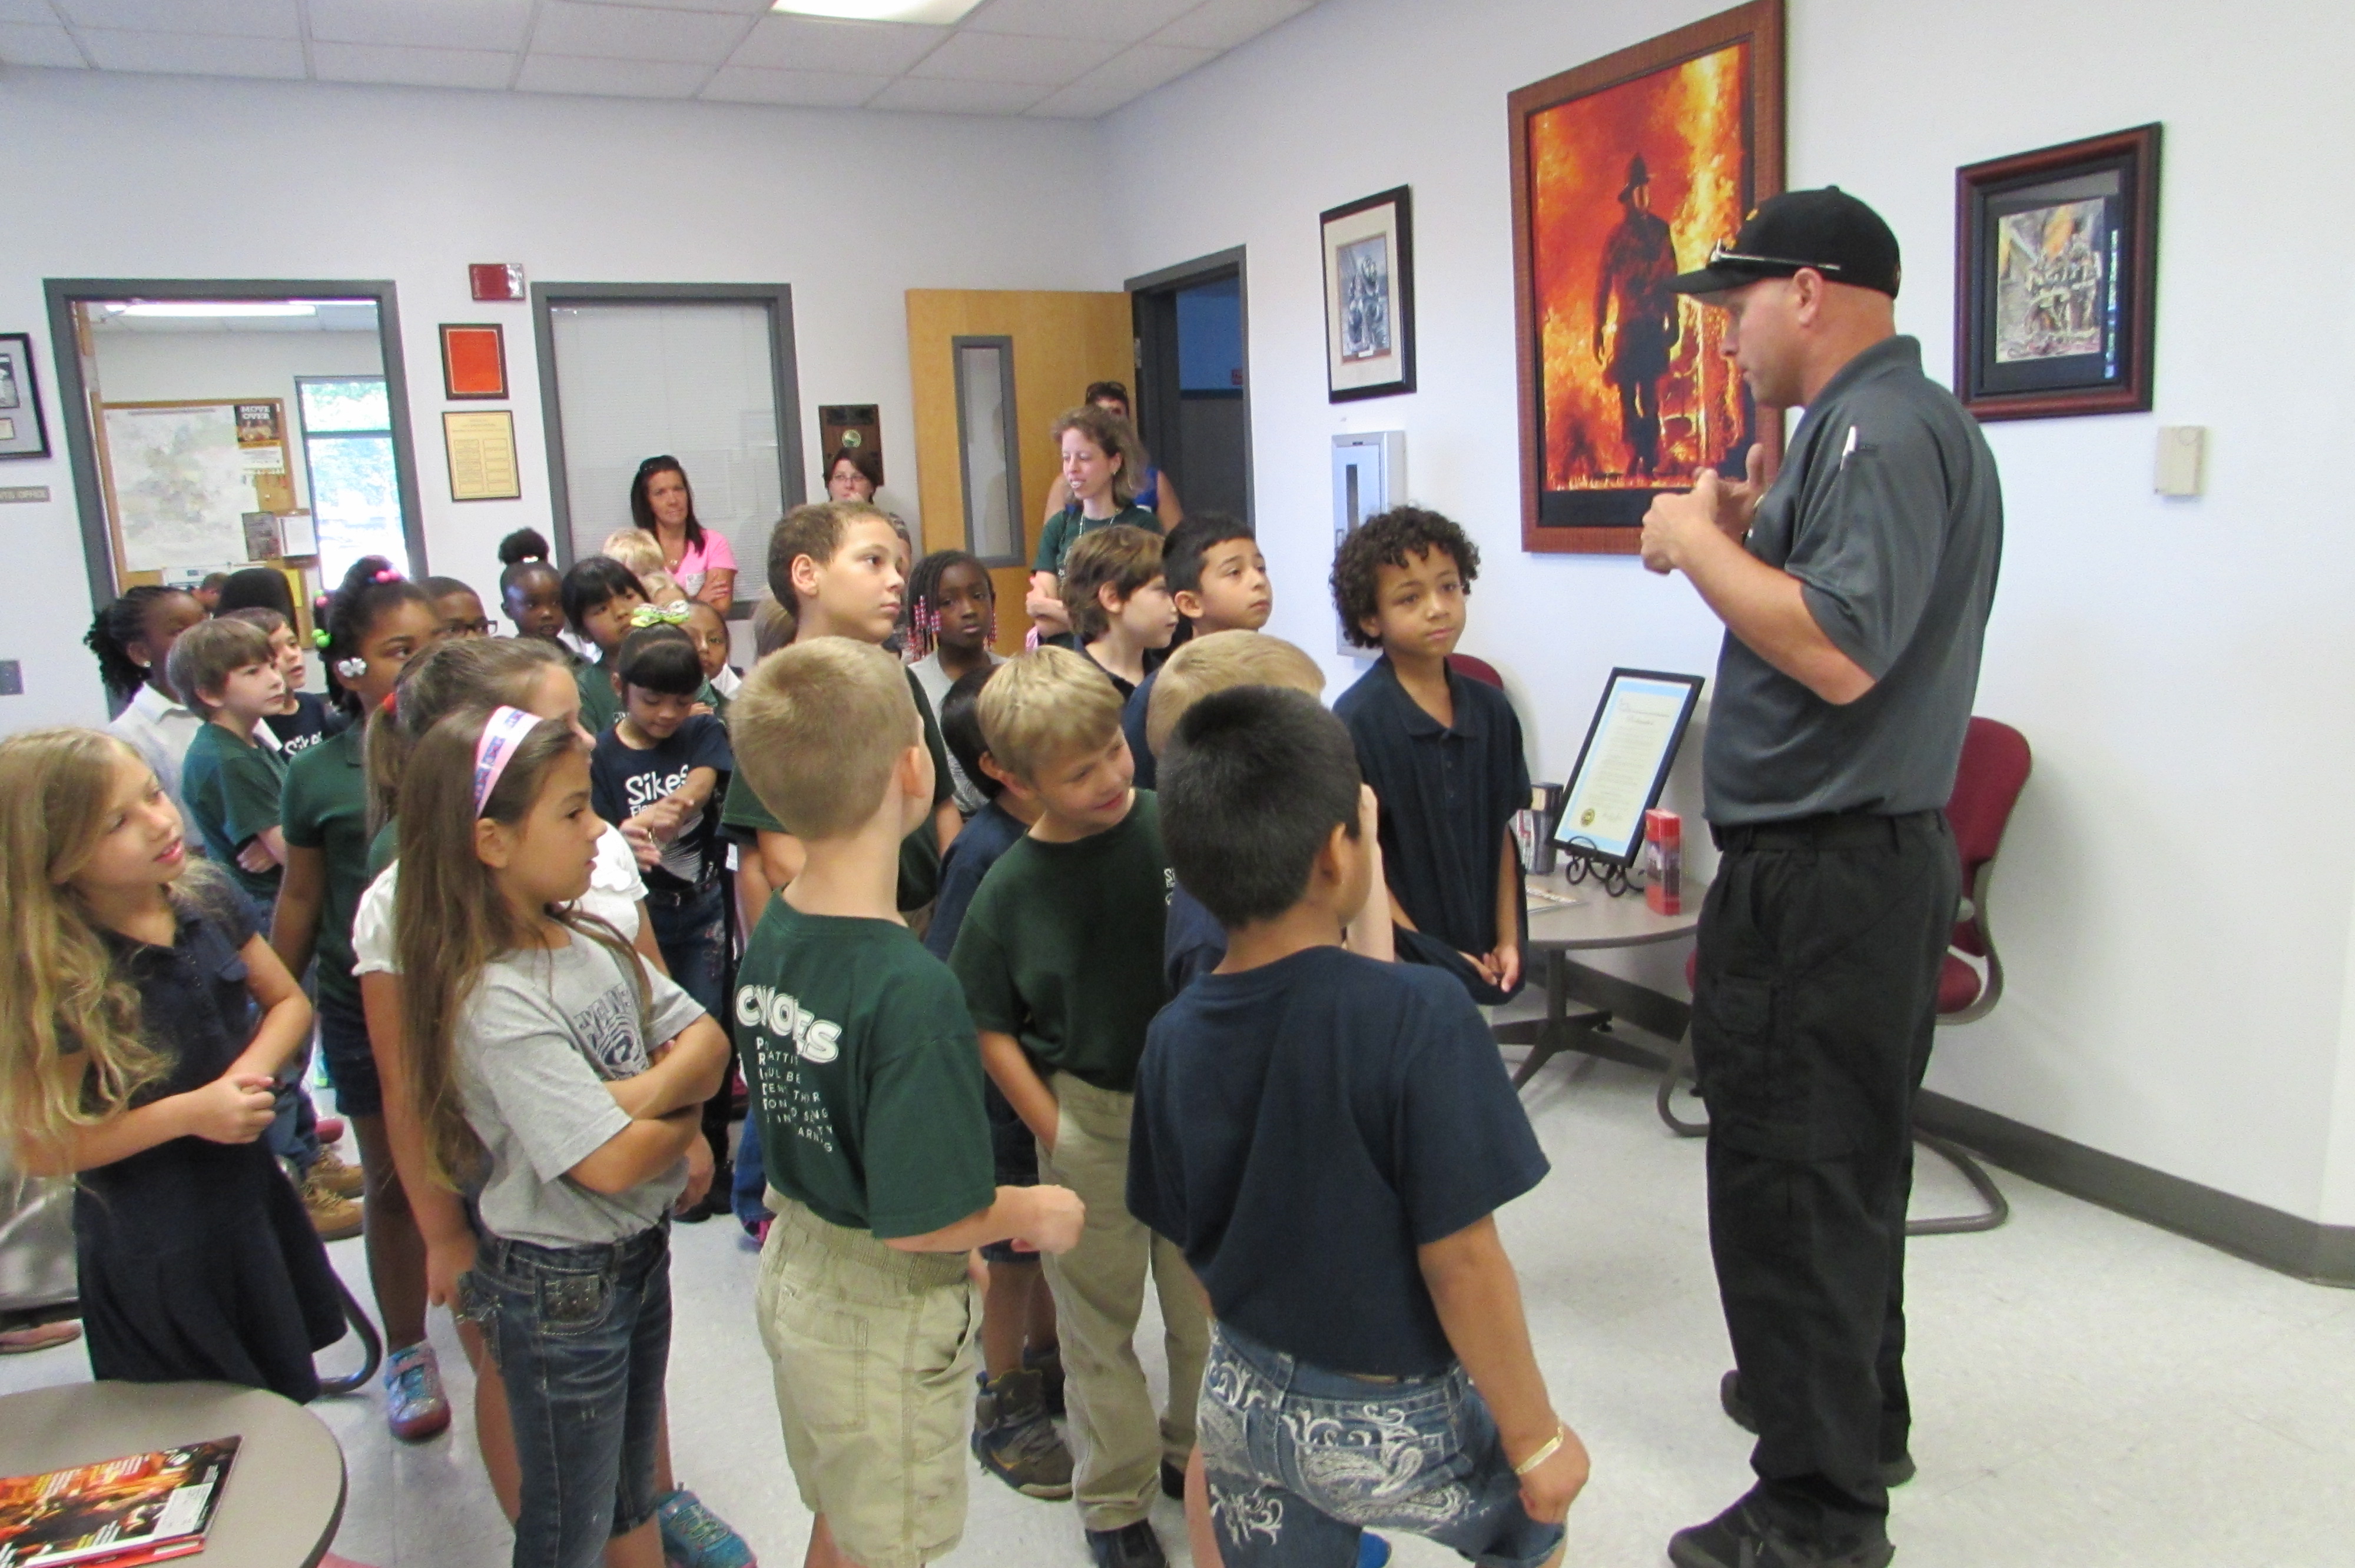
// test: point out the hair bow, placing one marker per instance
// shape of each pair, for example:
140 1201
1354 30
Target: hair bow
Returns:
658 615
319 637
388 576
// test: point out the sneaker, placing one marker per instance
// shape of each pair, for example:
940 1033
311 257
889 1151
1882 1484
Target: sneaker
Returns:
332 1215
1894 1472
330 1130
1049 1364
414 1406
1130 1546
336 1175
694 1537
1739 1538
1013 1439
1373 1551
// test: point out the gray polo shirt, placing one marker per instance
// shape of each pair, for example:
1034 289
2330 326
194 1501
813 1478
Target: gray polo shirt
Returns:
1889 511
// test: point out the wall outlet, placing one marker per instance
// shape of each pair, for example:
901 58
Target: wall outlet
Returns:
12 678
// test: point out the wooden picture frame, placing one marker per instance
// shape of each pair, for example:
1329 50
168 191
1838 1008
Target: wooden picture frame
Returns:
1368 249
1623 394
24 433
2056 274
473 361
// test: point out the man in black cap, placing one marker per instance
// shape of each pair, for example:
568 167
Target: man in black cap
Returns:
1854 591
1639 260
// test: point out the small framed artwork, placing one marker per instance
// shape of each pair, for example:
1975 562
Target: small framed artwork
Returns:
22 432
1369 298
473 361
1625 171
2056 267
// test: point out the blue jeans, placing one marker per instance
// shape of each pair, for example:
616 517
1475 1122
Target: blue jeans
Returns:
581 1336
1301 1460
748 1193
691 929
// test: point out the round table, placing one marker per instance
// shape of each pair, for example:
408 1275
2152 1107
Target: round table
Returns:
285 1491
1565 919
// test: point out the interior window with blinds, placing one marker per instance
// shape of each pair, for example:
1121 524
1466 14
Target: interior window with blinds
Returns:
696 381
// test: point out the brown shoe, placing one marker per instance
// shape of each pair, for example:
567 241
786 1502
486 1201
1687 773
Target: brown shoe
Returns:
332 1215
331 1171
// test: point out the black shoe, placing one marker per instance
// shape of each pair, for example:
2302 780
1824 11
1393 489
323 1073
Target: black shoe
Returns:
1049 1364
1894 1472
1173 1481
1013 1439
1130 1546
1738 1537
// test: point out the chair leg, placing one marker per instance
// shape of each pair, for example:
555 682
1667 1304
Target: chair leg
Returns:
1679 1069
371 1347
1997 1209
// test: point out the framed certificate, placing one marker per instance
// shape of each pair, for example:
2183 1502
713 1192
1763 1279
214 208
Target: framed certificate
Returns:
473 361
1623 762
481 453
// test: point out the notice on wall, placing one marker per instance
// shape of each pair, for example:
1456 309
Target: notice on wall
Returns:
481 453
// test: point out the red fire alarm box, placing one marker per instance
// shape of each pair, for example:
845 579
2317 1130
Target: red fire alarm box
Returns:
496 280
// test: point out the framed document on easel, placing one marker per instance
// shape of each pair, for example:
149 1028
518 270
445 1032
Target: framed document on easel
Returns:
1624 763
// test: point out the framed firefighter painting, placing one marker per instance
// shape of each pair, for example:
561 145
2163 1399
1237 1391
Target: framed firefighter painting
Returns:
1625 171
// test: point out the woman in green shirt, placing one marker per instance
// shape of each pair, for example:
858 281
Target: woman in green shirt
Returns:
1099 462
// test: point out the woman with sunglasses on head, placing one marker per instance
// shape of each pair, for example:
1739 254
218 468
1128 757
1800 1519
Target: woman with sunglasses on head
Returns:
699 558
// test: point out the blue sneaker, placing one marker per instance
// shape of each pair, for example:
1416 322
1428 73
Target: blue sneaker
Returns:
414 1406
1373 1551
694 1537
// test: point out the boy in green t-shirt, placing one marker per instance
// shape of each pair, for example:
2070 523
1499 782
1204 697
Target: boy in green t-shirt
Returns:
225 670
859 1053
1060 960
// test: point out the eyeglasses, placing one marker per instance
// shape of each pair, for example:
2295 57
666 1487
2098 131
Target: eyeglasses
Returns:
1719 254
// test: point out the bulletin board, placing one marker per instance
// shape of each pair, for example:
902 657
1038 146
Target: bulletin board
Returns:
180 478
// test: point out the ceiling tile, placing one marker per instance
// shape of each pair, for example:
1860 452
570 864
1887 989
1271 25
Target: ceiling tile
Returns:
999 56
1223 24
1129 75
723 7
21 43
804 89
424 24
812 44
1113 21
610 79
188 54
483 69
635 33
236 18
920 96
36 12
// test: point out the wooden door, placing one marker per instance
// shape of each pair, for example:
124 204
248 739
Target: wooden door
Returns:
1061 341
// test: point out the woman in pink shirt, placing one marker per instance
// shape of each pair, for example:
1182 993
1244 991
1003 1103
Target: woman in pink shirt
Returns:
699 558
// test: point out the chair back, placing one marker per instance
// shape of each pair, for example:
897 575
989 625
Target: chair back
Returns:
1479 670
1987 787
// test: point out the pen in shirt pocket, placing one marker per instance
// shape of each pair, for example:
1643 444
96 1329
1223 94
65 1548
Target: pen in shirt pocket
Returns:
1848 449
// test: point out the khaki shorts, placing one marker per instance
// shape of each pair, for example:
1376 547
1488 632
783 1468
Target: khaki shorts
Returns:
874 1353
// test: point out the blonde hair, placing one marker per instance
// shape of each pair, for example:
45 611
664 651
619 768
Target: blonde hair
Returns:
1045 705
772 627
449 919
209 653
455 672
1112 436
817 729
635 548
1120 557
64 994
1218 662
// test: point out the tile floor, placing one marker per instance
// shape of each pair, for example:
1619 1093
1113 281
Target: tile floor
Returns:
2089 1391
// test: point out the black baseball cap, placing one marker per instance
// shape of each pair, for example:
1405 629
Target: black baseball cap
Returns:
1828 230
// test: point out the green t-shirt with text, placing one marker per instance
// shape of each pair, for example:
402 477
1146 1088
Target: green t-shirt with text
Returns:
325 807
919 852
231 787
1061 947
865 1071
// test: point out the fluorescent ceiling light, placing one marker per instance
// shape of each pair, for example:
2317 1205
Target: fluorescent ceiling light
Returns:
938 13
211 308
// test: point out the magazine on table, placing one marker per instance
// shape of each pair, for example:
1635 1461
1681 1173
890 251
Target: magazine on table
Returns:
118 1513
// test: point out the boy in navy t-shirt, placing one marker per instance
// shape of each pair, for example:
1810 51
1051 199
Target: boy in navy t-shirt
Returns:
659 768
1314 1127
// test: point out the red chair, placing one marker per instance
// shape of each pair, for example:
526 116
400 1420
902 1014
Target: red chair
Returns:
1988 784
1478 670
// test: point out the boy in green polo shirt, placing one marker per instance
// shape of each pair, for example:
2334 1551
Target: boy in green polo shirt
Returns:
859 1052
224 670
1061 957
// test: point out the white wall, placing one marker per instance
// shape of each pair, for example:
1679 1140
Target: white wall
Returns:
2174 903
224 366
133 176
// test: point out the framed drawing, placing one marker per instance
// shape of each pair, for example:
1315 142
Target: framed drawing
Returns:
2056 266
1369 298
22 432
473 361
1626 172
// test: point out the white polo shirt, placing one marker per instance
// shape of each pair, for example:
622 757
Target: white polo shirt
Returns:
159 728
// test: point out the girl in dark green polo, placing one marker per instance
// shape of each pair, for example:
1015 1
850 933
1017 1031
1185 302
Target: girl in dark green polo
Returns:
370 628
1101 465
599 595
